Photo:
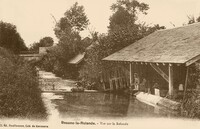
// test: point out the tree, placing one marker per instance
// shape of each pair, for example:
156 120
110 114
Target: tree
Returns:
35 47
70 44
68 28
123 28
123 31
93 65
10 38
125 12
74 19
44 42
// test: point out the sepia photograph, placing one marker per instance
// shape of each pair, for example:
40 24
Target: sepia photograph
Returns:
131 64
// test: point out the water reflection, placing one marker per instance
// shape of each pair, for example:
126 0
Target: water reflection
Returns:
77 105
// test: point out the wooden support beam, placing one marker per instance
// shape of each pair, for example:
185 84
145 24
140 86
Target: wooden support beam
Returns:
186 82
111 85
131 74
163 74
171 81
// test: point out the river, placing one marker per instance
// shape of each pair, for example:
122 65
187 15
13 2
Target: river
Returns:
92 105
100 105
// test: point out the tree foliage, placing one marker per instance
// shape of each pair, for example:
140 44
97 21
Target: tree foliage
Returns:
10 38
70 44
74 19
44 42
126 12
190 107
123 31
68 28
20 95
77 17
124 28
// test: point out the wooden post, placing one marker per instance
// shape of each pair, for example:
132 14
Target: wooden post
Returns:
102 76
110 81
131 75
111 85
171 87
186 80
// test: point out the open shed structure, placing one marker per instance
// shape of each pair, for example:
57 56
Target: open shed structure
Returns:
163 57
77 59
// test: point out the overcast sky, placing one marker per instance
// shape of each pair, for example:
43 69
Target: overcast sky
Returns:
33 19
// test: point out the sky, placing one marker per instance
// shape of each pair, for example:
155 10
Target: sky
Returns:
34 21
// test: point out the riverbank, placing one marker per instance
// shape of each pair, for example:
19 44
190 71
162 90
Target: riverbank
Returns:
20 96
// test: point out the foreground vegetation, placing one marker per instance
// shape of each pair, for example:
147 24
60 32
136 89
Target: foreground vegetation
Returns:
190 107
20 95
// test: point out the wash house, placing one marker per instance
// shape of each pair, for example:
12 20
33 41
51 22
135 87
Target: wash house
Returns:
164 60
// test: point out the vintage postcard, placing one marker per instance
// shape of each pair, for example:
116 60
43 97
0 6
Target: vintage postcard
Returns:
131 64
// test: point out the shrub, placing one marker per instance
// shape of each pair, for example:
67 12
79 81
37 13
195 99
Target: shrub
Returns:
191 105
20 95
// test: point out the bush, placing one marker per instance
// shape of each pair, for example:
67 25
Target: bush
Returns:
20 95
191 105
56 61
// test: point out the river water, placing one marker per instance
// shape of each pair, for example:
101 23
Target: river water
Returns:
62 105
100 105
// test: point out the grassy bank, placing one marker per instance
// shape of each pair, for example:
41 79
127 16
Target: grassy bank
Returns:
20 95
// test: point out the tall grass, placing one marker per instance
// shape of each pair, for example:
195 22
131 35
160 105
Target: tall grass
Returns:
20 95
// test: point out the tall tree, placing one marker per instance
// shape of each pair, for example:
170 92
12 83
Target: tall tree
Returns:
44 42
10 38
67 31
126 12
68 28
74 19
123 30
